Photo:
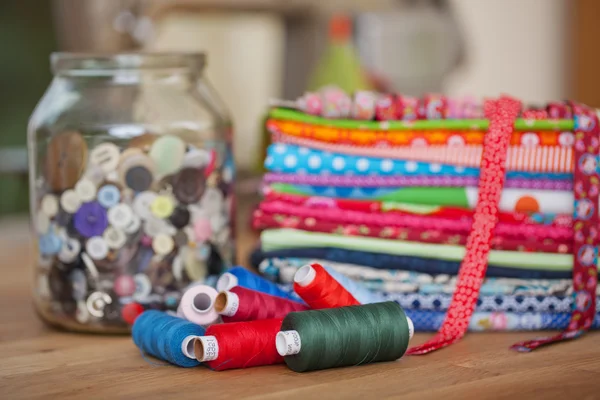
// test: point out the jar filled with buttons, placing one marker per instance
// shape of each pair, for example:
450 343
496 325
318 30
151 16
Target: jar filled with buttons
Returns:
131 177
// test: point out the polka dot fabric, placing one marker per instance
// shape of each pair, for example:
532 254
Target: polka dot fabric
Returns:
585 230
502 114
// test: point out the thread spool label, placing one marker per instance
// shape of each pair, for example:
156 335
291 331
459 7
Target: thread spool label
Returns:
211 348
233 303
292 341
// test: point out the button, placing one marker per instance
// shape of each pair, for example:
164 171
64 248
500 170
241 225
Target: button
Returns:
196 158
177 268
82 314
91 219
162 244
167 152
189 185
143 287
79 284
142 203
154 226
120 216
202 230
106 156
89 264
124 285
69 251
70 201
138 178
181 238
42 223
134 225
109 196
195 269
97 248
86 190
162 206
212 201
49 205
131 311
96 303
143 142
180 217
66 158
95 174
114 238
49 244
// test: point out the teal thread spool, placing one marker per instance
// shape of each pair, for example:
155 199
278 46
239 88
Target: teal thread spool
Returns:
339 337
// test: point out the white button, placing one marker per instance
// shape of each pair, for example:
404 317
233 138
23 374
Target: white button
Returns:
70 250
82 314
49 205
162 244
120 216
42 223
70 201
96 303
212 201
143 287
142 204
154 226
94 173
112 176
86 190
134 225
114 238
106 156
97 248
196 158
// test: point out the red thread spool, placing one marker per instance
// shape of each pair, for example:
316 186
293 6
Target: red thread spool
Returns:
319 290
240 304
239 345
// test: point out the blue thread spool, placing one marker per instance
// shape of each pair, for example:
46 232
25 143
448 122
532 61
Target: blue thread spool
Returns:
166 337
239 276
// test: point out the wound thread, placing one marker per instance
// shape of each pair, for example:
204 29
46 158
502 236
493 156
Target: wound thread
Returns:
241 304
166 337
345 336
239 276
320 290
239 345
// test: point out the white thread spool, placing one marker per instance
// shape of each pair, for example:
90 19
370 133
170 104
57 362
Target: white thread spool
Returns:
197 305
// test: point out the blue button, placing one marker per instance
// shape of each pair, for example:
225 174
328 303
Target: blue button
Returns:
49 244
109 196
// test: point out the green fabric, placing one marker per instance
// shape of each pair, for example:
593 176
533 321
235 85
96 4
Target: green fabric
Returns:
412 208
450 124
277 239
430 197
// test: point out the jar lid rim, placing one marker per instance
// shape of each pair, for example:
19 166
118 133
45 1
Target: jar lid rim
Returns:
67 61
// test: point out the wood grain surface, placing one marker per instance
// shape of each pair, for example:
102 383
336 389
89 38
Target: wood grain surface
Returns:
39 362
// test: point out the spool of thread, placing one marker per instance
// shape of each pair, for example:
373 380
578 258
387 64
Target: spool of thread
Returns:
166 337
239 345
339 337
239 276
320 290
243 304
356 289
197 305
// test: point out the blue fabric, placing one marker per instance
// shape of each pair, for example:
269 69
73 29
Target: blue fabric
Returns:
387 261
431 321
288 158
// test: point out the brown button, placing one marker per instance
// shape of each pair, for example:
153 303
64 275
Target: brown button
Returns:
189 185
143 142
66 159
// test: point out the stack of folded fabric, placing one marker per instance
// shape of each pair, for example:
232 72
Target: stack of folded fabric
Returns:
382 188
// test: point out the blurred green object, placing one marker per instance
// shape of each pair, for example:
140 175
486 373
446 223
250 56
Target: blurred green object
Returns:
24 76
340 65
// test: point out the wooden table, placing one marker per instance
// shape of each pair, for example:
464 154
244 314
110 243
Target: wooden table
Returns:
39 362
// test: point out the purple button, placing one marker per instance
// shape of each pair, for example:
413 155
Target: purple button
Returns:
90 220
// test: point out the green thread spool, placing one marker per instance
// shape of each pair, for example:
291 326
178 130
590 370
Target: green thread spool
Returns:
339 337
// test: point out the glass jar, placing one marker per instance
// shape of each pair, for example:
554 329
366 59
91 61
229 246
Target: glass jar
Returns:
131 187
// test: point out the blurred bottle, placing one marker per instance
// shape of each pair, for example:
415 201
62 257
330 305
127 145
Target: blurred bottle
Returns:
339 65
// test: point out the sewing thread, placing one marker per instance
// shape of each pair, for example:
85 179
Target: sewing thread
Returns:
239 345
319 290
166 337
357 290
197 305
242 304
239 276
345 336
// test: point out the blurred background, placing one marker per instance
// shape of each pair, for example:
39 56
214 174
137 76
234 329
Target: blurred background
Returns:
537 50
